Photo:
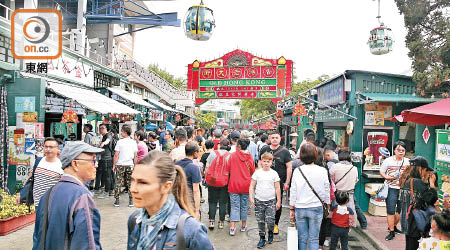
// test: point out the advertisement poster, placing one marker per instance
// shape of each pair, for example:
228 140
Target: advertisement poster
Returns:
25 104
443 152
17 155
29 129
22 172
11 133
39 130
19 137
19 120
39 147
30 148
30 117
369 118
386 108
373 140
379 118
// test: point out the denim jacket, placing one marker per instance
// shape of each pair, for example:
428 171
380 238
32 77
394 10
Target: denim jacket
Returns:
195 233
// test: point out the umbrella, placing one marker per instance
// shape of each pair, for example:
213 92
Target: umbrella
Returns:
150 126
433 114
223 124
264 126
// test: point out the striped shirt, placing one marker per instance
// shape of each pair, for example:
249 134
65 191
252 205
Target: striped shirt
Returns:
46 175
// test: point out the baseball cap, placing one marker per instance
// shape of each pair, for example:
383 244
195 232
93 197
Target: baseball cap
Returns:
217 133
420 161
73 149
235 135
246 134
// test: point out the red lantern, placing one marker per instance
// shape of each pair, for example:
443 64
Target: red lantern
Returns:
69 116
237 125
255 126
247 127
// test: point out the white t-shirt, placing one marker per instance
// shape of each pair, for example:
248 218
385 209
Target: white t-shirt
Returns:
265 180
126 147
233 149
390 166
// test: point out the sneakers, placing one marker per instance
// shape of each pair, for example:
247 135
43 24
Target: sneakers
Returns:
116 203
390 236
211 224
326 243
221 224
111 193
103 196
130 203
232 231
262 242
243 229
397 231
275 229
270 237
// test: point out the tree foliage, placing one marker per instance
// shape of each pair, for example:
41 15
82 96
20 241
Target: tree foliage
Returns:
205 120
252 109
177 82
304 85
428 40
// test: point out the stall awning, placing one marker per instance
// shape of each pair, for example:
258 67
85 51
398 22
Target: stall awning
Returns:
90 99
161 105
379 97
433 114
131 97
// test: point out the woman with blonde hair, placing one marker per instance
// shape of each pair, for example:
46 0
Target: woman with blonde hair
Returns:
159 190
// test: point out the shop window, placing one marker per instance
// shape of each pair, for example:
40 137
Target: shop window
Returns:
137 90
102 80
5 50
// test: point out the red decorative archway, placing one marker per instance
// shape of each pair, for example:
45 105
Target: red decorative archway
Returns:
240 75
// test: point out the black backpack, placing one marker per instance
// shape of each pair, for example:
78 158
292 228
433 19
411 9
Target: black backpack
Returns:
112 146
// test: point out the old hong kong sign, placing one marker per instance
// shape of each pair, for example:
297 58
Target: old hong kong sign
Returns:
240 75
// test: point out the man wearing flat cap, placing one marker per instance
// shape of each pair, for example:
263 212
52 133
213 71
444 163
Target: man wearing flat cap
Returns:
67 217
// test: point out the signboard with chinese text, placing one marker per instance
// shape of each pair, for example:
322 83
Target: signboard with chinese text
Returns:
240 75
332 93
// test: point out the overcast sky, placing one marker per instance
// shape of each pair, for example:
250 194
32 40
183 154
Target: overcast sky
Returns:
320 36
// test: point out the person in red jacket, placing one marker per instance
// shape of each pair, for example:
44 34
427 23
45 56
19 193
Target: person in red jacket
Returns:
240 166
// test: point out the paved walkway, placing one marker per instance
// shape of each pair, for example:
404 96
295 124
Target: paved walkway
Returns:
114 231
377 230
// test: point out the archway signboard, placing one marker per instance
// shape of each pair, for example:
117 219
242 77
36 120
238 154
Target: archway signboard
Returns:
240 75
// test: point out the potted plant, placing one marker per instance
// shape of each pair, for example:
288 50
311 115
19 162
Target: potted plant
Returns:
13 216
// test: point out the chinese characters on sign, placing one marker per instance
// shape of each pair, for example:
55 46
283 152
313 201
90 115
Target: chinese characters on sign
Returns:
30 67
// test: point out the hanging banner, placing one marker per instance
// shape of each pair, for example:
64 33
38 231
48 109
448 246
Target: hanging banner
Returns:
332 93
240 75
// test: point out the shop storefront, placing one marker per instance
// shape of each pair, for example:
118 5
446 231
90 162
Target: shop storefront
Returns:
373 98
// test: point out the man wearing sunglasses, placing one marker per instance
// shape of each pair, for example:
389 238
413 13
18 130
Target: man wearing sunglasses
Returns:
67 217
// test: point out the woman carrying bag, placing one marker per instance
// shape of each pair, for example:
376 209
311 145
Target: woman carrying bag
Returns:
309 197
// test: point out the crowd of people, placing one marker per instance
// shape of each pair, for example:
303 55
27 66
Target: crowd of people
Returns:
163 173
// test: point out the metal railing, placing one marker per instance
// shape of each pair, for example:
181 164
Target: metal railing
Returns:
5 12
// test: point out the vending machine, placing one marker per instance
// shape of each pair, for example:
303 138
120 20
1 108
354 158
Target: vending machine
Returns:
442 166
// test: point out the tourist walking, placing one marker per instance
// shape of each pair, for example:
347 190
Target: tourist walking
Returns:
342 218
240 166
215 171
267 198
67 217
139 137
391 170
48 169
282 164
178 152
105 164
159 190
193 175
124 159
305 206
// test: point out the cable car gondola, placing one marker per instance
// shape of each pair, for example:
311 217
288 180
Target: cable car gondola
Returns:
199 23
381 38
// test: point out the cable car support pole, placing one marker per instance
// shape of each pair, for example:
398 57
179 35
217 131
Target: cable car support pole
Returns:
304 96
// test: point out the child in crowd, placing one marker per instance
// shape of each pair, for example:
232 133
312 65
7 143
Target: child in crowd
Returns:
440 232
341 219
267 198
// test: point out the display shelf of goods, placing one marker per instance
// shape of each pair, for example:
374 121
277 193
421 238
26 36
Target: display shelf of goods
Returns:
12 216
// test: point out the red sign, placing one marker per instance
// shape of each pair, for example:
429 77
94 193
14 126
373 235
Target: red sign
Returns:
239 75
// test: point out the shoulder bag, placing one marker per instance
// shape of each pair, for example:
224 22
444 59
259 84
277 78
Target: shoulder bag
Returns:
324 205
344 175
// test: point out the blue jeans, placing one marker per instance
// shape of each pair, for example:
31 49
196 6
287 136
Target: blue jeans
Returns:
239 204
308 226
